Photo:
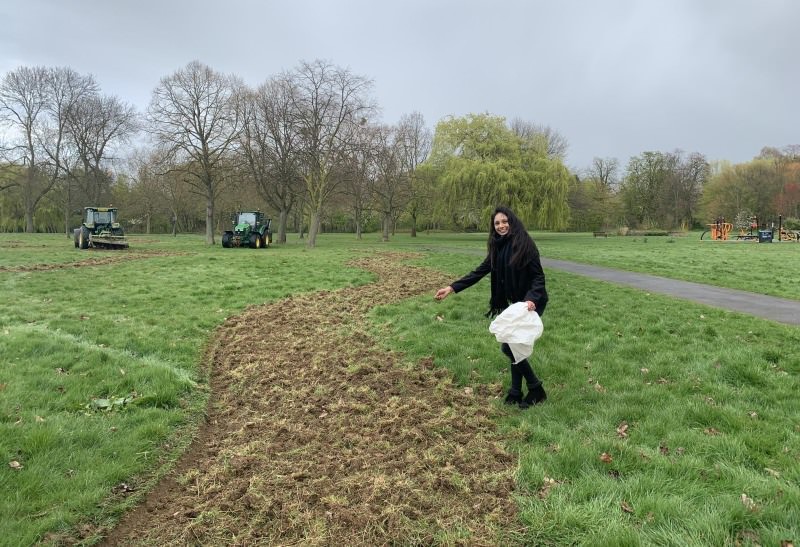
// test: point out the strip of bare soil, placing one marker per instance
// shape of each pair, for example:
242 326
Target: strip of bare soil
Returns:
91 261
317 436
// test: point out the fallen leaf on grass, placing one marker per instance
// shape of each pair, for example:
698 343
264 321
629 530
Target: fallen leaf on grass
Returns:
114 403
772 472
748 502
14 464
605 457
711 431
123 488
468 391
626 507
787 543
39 419
622 430
547 484
439 318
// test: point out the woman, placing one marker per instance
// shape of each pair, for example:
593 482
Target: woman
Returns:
516 276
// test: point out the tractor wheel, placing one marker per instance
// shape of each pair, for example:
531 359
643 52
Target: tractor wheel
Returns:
83 238
226 240
255 241
265 241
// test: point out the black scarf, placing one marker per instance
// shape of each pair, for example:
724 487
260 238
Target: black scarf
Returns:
502 278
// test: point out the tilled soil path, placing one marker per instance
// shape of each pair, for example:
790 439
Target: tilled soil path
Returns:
317 436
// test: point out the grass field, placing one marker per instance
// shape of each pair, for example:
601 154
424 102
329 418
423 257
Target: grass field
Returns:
667 423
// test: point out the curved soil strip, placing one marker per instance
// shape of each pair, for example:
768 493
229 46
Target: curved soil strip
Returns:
317 436
101 261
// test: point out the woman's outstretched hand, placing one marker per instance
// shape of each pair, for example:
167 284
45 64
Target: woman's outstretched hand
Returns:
442 293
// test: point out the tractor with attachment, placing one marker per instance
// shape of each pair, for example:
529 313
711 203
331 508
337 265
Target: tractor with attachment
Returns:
100 230
250 229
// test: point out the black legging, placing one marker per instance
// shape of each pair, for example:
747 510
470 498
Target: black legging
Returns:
522 369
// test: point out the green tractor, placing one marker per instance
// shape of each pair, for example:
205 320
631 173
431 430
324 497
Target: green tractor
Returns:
100 230
250 229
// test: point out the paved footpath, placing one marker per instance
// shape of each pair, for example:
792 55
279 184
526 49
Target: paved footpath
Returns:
781 310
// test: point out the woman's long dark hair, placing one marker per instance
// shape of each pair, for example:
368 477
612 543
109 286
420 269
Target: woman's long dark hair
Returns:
522 246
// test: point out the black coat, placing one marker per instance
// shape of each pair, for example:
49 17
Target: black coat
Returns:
509 284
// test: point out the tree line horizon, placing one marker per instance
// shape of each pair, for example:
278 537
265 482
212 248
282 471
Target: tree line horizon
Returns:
307 147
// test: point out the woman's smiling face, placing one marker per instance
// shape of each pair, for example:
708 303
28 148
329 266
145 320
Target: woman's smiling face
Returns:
501 224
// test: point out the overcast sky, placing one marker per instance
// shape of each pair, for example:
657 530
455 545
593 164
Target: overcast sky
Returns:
614 77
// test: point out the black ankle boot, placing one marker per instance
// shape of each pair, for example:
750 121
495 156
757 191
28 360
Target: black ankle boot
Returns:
514 397
535 395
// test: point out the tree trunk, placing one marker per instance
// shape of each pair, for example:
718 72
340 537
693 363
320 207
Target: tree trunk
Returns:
413 225
209 221
313 229
66 220
386 220
28 220
282 218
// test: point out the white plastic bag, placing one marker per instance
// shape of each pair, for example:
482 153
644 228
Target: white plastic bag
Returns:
519 328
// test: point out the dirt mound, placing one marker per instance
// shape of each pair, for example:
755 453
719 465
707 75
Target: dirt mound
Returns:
316 436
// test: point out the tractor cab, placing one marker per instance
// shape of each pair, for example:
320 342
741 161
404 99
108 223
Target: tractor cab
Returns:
250 219
101 217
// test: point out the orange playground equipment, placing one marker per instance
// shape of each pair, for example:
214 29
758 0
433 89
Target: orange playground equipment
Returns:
719 230
789 235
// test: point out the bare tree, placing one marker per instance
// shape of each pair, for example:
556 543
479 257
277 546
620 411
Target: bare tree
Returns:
605 173
96 125
36 104
663 189
417 139
330 104
195 115
359 175
391 188
547 140
269 145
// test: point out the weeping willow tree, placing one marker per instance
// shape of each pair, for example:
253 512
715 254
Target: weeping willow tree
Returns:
482 163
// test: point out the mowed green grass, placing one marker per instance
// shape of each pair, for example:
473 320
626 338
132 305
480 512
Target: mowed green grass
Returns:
667 423
765 268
